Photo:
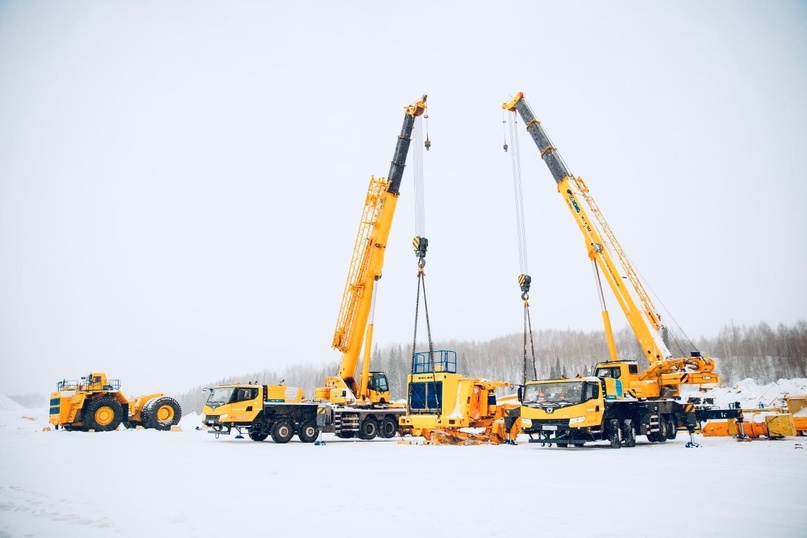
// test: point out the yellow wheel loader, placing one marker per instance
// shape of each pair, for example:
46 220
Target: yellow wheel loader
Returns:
95 403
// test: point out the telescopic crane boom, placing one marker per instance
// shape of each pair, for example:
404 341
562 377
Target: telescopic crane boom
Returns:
665 373
352 327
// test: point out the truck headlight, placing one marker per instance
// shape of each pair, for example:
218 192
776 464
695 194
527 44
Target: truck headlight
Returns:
526 423
576 420
225 415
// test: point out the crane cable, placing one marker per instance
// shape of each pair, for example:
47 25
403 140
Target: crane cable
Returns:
524 278
420 242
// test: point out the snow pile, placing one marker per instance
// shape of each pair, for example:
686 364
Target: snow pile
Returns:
749 394
191 421
22 419
7 404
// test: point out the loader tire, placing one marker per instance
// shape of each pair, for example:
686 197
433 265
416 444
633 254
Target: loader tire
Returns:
613 433
103 415
628 433
161 413
308 431
282 431
388 427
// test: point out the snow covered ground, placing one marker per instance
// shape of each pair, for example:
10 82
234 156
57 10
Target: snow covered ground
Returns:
148 483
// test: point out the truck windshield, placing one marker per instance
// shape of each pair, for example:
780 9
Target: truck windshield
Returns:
219 396
570 392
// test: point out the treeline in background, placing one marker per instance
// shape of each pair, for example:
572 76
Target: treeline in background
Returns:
758 352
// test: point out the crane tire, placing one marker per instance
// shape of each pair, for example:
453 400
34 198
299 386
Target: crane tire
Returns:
258 436
103 415
628 433
282 431
161 413
388 427
308 431
672 427
613 433
368 428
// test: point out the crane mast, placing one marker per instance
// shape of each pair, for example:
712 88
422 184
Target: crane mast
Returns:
604 249
365 269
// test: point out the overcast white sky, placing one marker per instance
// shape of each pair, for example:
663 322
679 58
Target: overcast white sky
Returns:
181 182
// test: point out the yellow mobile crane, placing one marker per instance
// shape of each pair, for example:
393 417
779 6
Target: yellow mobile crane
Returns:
619 399
348 405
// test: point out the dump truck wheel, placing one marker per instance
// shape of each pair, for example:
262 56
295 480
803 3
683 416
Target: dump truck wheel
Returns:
161 413
628 433
282 431
308 431
388 427
368 428
103 415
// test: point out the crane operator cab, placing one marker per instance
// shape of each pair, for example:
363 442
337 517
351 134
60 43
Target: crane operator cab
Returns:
378 388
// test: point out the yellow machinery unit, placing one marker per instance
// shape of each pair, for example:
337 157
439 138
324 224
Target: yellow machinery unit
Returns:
445 407
797 406
96 403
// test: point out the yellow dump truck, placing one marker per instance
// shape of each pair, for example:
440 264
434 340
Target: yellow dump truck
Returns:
96 403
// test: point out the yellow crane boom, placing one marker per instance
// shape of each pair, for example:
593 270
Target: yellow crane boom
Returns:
365 268
612 262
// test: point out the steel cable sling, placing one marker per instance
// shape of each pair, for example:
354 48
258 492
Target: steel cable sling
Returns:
524 279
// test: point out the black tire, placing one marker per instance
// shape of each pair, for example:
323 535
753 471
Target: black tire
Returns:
628 433
613 433
308 431
161 413
368 428
103 415
563 444
345 435
258 435
282 431
388 427
661 436
672 427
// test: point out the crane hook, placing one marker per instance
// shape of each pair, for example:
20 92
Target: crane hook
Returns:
428 142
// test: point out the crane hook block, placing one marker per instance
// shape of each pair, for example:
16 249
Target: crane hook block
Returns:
428 143
524 281
505 147
420 244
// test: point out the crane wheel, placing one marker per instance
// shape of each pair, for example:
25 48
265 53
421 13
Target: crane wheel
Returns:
628 433
672 427
161 413
388 427
368 428
258 436
103 415
282 431
613 433
308 431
